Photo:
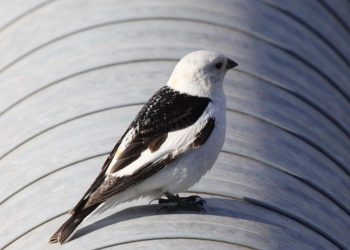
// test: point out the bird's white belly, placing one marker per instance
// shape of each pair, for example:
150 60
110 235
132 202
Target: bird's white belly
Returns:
188 170
179 175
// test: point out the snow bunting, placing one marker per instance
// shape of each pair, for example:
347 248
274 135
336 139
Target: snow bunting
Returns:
173 141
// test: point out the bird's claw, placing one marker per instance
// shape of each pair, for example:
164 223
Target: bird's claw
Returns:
193 203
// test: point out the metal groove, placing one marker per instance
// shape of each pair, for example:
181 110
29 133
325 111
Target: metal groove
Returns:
299 220
329 196
307 182
55 217
301 98
57 170
251 34
315 146
290 216
279 211
311 29
37 226
32 229
306 140
249 201
314 68
96 26
335 15
173 238
301 137
297 197
81 73
52 172
67 121
25 14
305 100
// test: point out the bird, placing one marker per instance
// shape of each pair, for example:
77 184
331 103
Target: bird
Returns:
174 140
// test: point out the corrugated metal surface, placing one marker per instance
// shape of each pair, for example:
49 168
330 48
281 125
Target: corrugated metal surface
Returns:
74 73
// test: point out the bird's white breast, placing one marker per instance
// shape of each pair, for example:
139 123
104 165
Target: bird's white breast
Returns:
187 170
192 166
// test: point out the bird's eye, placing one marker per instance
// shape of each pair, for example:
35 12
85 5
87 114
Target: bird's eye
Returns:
218 65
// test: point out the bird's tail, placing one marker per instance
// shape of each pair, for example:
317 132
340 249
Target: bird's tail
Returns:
63 233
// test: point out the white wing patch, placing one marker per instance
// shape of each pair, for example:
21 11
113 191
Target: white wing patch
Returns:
127 138
177 142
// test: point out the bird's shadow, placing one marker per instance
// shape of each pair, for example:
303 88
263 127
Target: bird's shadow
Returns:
214 206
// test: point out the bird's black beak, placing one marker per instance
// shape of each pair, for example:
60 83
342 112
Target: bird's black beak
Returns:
230 64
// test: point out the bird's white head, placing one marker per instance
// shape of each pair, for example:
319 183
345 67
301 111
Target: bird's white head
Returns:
201 73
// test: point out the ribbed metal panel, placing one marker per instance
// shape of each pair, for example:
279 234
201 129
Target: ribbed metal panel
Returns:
73 74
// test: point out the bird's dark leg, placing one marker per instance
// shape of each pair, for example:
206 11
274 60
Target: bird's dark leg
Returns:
194 202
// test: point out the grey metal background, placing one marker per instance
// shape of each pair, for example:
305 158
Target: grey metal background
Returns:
74 73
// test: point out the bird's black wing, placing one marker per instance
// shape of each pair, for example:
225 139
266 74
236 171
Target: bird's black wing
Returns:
167 111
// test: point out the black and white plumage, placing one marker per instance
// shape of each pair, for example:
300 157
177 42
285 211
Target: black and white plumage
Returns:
173 141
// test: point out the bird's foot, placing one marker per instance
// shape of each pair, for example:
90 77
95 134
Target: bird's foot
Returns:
193 203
